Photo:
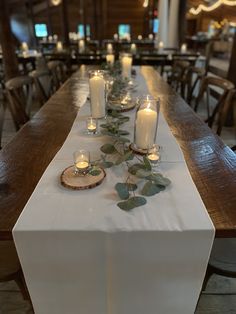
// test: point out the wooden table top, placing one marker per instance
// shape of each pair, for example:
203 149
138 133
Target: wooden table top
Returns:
24 160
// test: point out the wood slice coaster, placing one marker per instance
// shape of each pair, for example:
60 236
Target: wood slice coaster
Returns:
122 108
79 182
138 151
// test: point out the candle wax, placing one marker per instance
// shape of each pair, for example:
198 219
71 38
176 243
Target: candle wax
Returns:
97 95
146 124
153 157
82 165
91 127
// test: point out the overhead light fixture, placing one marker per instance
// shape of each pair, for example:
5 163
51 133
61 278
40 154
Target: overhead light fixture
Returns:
55 2
212 7
145 3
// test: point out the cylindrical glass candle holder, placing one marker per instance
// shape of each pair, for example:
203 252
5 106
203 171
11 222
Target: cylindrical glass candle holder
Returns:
81 162
109 48
146 123
153 154
91 125
97 86
126 65
81 46
110 59
133 48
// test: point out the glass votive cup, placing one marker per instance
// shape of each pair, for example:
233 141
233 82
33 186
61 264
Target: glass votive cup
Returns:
91 125
81 162
153 155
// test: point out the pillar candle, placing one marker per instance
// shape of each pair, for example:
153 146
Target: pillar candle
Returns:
133 48
140 37
146 123
81 46
97 96
126 63
109 48
115 36
150 36
59 46
161 45
110 58
183 48
24 46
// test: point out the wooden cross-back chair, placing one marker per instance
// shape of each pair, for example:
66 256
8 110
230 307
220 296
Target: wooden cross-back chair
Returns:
10 268
209 85
192 78
43 83
224 111
2 112
20 97
58 72
177 76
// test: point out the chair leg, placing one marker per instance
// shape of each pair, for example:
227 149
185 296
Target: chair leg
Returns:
208 275
20 280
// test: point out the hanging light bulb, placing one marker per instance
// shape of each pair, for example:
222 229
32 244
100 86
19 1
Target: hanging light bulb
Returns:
145 3
55 2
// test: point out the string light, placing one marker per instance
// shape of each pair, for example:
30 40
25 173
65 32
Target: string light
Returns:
55 2
212 7
145 3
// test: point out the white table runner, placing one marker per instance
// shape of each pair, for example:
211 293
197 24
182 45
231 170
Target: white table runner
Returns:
81 254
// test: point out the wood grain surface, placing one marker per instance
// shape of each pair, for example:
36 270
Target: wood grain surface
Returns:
24 160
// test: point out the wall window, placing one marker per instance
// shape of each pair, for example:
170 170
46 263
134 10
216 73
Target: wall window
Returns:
155 26
81 30
41 30
124 31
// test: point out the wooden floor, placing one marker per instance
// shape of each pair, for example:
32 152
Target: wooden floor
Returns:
219 298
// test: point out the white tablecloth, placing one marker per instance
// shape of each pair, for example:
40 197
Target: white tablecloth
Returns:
81 254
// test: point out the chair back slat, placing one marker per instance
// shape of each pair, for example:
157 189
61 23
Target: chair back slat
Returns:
208 84
20 94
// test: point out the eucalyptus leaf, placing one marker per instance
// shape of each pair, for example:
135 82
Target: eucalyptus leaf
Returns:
107 164
147 163
94 172
104 125
127 156
132 186
132 202
159 179
134 168
141 173
108 148
123 132
150 189
124 118
122 190
124 140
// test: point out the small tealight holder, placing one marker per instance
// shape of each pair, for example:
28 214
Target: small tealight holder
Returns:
91 125
153 155
81 162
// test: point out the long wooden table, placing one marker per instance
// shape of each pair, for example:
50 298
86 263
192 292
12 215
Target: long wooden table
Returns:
24 160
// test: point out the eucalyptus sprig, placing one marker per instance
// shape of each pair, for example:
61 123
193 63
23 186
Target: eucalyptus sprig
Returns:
118 152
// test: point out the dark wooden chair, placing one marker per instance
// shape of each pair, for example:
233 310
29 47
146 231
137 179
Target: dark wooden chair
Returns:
10 268
58 72
222 260
43 84
20 94
192 78
225 110
2 112
177 77
219 88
